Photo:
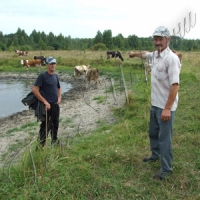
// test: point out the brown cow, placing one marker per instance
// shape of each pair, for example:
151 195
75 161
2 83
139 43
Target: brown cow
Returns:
23 53
179 55
31 63
92 75
17 51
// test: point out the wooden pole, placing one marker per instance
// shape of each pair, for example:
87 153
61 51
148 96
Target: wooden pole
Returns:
124 84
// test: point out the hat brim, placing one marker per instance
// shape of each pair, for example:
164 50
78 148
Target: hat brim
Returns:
160 35
51 61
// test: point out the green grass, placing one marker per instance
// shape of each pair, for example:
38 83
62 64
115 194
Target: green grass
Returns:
100 99
28 126
107 164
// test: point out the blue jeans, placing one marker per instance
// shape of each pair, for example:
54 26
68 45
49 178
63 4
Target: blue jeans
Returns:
160 135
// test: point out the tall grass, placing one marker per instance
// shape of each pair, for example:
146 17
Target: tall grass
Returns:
108 163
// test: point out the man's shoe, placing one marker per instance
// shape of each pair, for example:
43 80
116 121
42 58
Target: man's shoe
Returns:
161 175
150 159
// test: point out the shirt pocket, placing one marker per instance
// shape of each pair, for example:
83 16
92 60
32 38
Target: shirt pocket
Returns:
161 73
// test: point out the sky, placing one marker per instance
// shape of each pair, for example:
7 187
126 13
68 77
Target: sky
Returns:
84 18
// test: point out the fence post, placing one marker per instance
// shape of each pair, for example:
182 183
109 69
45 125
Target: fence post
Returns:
124 84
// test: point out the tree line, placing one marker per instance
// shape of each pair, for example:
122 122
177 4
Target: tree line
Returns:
102 41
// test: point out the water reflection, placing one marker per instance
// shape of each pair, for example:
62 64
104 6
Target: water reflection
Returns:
13 91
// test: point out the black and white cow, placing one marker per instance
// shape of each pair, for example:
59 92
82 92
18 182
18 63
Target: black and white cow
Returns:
114 54
42 58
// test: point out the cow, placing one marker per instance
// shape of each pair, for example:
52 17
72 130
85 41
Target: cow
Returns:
17 51
31 63
80 70
114 54
179 55
92 74
23 53
42 58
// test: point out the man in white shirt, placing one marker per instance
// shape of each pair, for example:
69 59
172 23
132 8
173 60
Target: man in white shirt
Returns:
164 101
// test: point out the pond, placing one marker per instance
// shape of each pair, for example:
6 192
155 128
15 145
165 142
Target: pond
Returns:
13 91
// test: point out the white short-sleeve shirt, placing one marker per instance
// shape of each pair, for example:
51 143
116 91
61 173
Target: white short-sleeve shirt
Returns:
165 71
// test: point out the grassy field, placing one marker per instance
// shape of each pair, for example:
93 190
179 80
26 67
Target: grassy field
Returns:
108 163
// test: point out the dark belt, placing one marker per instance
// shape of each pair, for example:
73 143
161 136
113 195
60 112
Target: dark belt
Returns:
53 103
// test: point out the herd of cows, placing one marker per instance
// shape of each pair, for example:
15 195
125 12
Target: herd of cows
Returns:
37 61
91 74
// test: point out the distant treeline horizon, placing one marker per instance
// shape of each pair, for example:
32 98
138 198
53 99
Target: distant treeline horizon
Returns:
102 41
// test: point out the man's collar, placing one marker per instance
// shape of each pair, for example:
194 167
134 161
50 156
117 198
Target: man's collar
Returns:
163 53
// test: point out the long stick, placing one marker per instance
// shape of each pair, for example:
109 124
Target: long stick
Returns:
46 127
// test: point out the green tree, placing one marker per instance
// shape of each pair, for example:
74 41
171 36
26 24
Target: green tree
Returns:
50 39
119 41
22 36
2 38
31 40
2 46
90 43
68 42
190 45
42 45
36 36
133 42
61 41
43 36
98 38
15 41
22 41
8 42
107 38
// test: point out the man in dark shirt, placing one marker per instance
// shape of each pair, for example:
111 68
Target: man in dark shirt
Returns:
47 89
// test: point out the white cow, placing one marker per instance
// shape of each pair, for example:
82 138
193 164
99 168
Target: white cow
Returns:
80 70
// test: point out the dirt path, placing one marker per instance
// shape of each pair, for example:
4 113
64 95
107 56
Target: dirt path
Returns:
80 113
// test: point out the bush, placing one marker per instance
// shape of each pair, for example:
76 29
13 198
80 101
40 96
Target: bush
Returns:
99 46
2 47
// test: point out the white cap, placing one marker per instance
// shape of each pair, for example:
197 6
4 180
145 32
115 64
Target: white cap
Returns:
161 31
50 60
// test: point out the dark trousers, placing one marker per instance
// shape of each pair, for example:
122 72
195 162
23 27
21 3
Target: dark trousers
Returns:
52 124
160 134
